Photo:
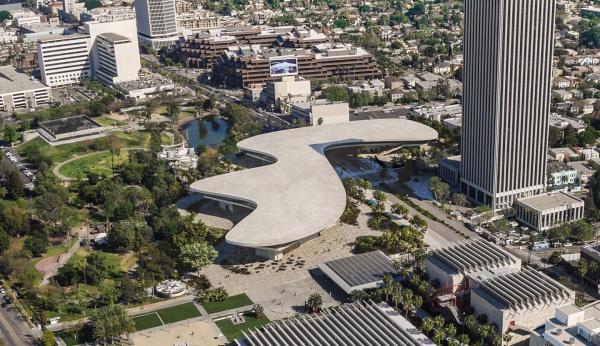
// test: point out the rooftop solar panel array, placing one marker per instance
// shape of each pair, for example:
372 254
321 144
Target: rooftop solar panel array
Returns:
68 125
362 269
525 289
475 255
350 324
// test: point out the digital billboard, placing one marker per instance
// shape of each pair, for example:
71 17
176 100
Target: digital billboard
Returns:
283 66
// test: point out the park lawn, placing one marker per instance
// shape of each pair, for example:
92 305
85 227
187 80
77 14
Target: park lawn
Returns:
231 302
123 262
100 164
61 153
107 121
150 320
178 313
233 332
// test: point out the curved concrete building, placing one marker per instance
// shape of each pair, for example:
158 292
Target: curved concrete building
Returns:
299 194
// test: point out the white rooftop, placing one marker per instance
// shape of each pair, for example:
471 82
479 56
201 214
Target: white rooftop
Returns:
13 81
300 194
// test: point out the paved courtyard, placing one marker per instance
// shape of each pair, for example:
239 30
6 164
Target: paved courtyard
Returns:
194 333
283 292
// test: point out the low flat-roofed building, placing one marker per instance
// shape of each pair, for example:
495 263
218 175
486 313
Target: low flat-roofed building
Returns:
590 11
20 90
449 170
451 265
562 122
519 300
365 324
321 112
72 129
562 154
147 85
359 272
453 123
280 95
438 112
548 210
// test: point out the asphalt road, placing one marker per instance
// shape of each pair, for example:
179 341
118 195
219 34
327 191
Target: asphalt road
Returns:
13 329
439 235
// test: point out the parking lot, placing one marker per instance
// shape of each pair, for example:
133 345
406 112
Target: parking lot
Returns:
24 168
369 113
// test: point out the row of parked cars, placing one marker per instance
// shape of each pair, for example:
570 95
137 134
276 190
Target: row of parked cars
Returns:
21 166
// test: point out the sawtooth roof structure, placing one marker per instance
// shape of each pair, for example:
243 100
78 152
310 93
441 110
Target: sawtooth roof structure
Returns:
359 271
364 324
299 194
524 289
473 256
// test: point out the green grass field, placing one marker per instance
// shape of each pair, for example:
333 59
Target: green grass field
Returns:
233 332
147 321
100 163
179 313
165 316
232 302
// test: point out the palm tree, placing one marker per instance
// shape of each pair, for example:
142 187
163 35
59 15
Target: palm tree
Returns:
407 301
464 339
439 337
583 269
450 330
471 323
427 325
387 285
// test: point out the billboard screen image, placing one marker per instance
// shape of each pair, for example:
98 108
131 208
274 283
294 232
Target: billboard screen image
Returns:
284 66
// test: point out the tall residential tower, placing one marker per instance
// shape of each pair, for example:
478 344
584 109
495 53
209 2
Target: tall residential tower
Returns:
508 50
156 22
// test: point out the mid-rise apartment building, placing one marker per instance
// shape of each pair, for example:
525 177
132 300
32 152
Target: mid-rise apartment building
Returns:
247 66
195 21
107 14
64 60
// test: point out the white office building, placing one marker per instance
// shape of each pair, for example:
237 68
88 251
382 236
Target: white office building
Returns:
321 112
115 56
157 22
64 60
508 49
114 63
550 210
20 90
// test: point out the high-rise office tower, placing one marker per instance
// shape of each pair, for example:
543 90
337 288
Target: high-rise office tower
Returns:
508 48
156 22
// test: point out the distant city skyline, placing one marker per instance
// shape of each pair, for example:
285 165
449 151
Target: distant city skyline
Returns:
508 49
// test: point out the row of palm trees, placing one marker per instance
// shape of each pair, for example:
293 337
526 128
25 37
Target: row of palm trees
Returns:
411 297
404 298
